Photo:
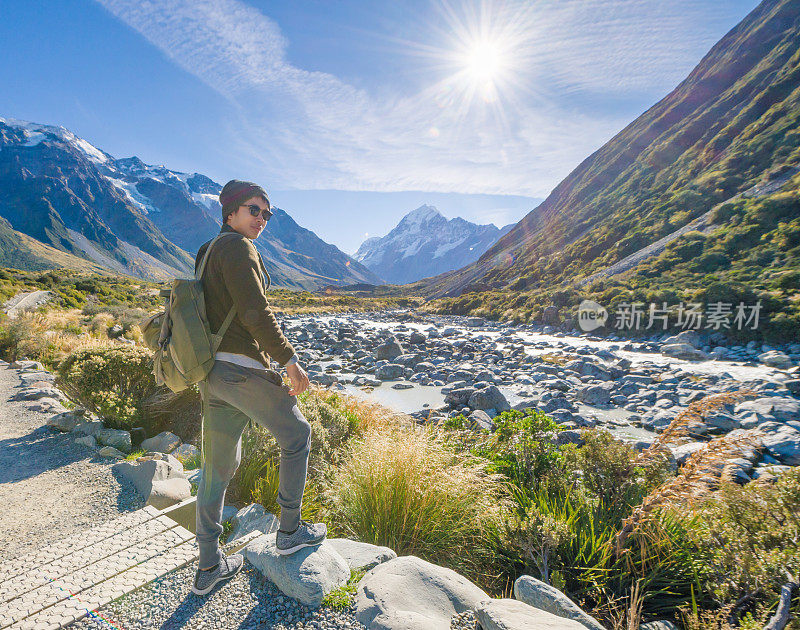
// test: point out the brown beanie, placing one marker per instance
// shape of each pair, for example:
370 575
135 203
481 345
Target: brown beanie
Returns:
235 192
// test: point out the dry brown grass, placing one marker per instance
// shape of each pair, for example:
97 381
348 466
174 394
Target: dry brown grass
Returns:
703 470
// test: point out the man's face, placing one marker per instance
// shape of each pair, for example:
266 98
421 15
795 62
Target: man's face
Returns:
244 222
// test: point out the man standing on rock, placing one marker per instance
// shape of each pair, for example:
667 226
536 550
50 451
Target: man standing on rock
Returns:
241 386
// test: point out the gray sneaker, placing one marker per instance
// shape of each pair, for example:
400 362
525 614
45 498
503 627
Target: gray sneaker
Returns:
306 535
229 566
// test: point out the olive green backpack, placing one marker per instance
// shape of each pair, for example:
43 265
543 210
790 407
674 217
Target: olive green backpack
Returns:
180 335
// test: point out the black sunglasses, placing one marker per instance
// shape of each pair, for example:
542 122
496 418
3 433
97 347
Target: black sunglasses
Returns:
266 213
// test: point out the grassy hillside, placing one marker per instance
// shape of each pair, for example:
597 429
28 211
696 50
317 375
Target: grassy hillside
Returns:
732 123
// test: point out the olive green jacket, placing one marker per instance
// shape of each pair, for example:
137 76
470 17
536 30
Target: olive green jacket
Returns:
233 276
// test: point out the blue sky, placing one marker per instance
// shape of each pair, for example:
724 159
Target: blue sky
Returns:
351 114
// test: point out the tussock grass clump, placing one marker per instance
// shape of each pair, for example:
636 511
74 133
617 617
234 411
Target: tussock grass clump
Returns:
702 471
407 490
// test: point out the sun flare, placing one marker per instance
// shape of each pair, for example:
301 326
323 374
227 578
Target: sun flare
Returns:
485 61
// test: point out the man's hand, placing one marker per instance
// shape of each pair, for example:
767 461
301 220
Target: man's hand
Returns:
298 377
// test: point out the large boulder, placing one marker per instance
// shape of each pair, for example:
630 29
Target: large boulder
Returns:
551 316
488 398
548 598
409 593
251 518
687 337
164 442
776 359
65 422
119 439
167 492
594 395
512 614
479 419
143 474
35 393
361 555
306 575
459 397
24 364
683 351
388 350
89 427
783 442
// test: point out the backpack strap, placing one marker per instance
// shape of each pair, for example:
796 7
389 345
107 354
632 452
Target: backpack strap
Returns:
216 339
264 269
202 266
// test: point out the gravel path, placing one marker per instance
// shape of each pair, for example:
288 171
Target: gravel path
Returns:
49 485
248 600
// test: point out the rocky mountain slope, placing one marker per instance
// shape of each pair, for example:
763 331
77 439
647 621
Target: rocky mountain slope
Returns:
732 124
424 243
135 218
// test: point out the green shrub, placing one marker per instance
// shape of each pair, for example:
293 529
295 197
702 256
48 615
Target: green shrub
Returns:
112 382
523 448
752 533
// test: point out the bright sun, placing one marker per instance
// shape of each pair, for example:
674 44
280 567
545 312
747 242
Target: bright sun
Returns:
485 61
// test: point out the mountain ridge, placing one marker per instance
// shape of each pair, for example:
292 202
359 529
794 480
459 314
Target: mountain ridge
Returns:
139 219
425 243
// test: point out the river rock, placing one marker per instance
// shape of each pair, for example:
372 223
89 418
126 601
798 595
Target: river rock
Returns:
361 555
167 492
689 337
388 350
683 351
488 398
512 614
594 395
164 442
479 419
306 575
776 359
416 338
684 451
390 371
251 518
551 316
541 595
781 409
117 438
459 397
793 385
722 421
409 593
783 442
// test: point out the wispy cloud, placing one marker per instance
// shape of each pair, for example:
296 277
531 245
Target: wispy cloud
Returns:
320 132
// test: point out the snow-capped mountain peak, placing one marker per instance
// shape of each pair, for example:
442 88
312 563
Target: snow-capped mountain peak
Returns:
425 243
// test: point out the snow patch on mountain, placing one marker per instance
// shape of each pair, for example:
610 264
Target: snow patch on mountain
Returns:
425 243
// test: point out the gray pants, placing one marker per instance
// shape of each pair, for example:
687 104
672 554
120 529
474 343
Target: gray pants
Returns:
233 395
